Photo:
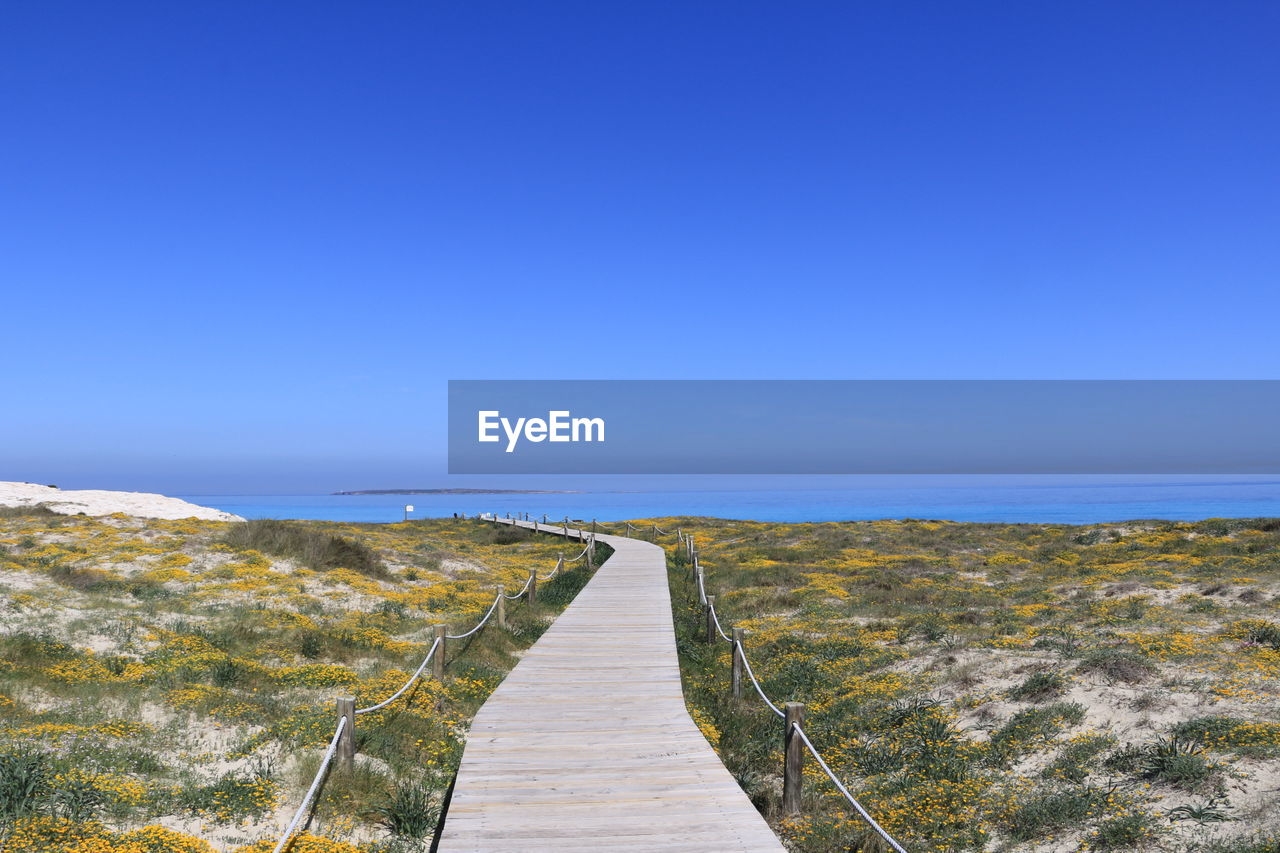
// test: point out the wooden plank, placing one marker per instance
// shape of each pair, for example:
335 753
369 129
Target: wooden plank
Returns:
587 744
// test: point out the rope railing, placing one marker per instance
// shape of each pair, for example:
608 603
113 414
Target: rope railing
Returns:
716 620
746 665
478 625
522 591
394 696
799 730
713 618
315 786
346 723
581 555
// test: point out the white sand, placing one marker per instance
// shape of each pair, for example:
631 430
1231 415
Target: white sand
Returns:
102 502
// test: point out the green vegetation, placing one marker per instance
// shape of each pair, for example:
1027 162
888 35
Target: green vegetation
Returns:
309 544
992 687
187 670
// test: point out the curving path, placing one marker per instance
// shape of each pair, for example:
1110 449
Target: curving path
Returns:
586 745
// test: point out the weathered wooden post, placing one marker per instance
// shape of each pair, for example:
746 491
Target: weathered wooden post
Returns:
347 740
738 635
535 525
793 763
533 586
437 660
591 552
502 606
709 609
593 527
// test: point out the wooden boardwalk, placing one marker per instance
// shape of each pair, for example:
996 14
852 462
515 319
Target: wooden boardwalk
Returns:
587 745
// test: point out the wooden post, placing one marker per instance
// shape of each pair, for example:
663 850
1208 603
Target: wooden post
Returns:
559 566
535 525
347 740
793 763
738 634
533 586
591 552
710 610
502 606
437 661
593 527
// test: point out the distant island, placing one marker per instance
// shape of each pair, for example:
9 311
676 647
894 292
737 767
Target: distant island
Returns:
458 492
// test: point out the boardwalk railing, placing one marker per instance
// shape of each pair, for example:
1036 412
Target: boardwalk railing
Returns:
792 713
795 740
342 744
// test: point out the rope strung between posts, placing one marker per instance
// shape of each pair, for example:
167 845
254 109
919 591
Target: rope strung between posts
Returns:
478 626
522 591
843 790
343 721
755 682
581 555
394 696
315 786
746 664
716 619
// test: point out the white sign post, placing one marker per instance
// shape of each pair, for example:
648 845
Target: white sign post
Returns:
408 508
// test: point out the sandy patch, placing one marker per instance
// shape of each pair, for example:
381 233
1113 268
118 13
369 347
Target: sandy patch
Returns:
101 502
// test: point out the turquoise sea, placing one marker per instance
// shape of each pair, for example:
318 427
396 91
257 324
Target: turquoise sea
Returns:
1043 502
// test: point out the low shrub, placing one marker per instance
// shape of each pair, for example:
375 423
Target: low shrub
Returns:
24 780
1052 811
1040 686
410 811
313 548
1117 665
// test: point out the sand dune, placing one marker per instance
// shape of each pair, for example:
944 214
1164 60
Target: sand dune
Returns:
103 502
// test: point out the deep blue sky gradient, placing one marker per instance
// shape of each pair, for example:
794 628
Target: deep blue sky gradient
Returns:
243 245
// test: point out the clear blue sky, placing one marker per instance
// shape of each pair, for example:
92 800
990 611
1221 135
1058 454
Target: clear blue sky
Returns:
243 245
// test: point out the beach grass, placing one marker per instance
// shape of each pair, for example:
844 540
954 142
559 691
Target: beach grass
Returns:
170 685
1000 687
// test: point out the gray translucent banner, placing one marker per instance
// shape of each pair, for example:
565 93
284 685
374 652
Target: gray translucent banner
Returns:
863 427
